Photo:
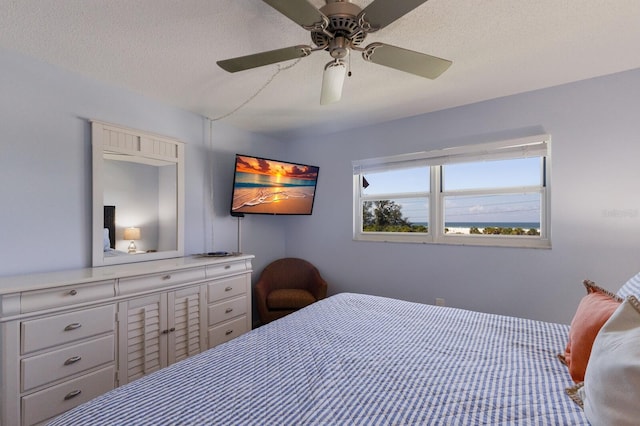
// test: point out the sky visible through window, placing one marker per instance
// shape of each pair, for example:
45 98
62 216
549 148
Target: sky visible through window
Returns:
512 208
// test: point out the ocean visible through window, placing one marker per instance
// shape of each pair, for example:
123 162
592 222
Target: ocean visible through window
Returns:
479 195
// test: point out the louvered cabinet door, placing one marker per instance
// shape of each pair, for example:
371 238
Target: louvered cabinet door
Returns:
186 323
143 343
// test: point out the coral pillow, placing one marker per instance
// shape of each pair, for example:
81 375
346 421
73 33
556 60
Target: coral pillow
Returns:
593 311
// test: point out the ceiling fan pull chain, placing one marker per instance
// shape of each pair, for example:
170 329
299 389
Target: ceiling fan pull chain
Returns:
264 86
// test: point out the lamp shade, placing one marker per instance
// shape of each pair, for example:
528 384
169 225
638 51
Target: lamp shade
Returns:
332 81
132 233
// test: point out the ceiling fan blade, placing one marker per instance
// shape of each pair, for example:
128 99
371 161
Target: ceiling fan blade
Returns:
380 13
256 60
406 60
302 12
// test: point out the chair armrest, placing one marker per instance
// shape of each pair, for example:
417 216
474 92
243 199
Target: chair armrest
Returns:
318 286
261 291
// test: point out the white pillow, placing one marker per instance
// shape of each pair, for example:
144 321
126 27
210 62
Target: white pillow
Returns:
630 288
106 244
611 388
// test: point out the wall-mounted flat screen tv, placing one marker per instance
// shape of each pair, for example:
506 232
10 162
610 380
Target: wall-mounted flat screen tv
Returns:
264 186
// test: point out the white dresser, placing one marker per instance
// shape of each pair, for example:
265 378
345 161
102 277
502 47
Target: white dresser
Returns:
67 337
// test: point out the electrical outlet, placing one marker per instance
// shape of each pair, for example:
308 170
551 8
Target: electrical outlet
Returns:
439 301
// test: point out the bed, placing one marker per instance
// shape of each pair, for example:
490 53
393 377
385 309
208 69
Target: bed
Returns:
109 233
359 359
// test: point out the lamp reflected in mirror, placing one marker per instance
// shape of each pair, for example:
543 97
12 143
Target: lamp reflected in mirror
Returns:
132 234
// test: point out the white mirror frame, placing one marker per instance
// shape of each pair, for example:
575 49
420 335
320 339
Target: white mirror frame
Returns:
146 146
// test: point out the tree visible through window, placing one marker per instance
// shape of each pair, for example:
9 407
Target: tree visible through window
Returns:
387 216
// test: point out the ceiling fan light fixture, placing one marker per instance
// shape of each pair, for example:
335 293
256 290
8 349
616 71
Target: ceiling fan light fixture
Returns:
332 81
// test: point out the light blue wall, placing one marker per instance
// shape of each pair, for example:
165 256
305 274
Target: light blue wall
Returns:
45 189
595 129
45 168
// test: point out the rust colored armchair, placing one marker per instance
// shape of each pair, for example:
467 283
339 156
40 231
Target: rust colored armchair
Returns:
287 285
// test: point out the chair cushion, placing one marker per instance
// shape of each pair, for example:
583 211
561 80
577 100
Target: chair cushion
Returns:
290 298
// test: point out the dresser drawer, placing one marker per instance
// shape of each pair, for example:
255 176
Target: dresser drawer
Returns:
46 368
31 301
227 331
226 269
158 281
230 287
226 310
55 400
57 330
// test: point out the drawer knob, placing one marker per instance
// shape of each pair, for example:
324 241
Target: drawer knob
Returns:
228 310
72 360
227 266
73 292
228 332
167 277
73 326
228 289
72 394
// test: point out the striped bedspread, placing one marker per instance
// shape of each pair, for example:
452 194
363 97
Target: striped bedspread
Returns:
356 359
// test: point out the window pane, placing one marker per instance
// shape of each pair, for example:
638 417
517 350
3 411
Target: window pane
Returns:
399 215
492 174
507 211
399 181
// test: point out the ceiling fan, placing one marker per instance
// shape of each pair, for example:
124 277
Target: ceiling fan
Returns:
340 27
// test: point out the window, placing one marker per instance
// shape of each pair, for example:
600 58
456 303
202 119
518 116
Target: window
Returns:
396 200
492 194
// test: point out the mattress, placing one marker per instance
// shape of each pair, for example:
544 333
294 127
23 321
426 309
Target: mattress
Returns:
359 359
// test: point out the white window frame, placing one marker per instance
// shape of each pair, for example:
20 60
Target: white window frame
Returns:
534 146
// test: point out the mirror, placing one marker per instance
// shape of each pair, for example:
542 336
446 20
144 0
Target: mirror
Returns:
138 201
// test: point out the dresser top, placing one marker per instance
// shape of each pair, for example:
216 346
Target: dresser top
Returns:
18 283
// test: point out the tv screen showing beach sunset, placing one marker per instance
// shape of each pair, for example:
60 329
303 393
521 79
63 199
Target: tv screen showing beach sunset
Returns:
263 186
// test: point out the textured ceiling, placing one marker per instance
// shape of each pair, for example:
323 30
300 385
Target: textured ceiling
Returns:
167 50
